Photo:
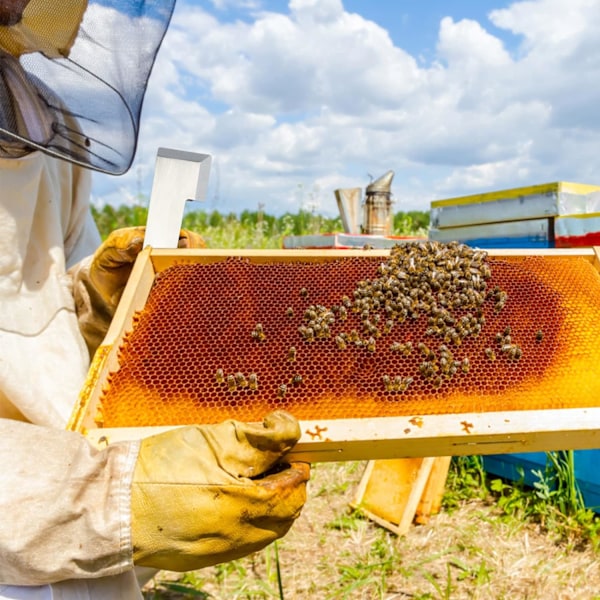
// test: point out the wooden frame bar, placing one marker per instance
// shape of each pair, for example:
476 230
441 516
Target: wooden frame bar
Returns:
354 439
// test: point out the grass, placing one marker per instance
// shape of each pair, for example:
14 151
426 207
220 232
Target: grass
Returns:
475 548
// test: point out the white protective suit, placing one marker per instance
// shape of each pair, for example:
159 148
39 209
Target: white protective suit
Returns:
65 524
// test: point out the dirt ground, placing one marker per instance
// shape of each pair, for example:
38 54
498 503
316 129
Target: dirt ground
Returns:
332 553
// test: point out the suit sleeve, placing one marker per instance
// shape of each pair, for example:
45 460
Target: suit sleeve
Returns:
65 506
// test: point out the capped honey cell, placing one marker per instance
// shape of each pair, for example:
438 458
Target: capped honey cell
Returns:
430 329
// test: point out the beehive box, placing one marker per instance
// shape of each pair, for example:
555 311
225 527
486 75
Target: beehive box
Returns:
572 231
422 350
344 241
530 233
542 201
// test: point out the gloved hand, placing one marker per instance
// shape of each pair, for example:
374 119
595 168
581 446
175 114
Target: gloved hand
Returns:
99 280
203 495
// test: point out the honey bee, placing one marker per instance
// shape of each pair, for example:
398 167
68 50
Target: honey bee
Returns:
231 384
371 344
437 382
396 383
387 383
372 330
343 313
512 351
252 381
292 354
310 314
465 365
258 333
289 312
304 292
282 390
220 376
539 336
427 369
489 352
240 380
500 303
297 379
404 383
340 342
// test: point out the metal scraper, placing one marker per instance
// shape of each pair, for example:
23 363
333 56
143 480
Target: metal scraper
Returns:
179 176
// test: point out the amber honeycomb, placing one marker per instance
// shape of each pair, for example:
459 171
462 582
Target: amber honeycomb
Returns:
203 324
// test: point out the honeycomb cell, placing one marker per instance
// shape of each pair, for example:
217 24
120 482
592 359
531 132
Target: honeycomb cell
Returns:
433 329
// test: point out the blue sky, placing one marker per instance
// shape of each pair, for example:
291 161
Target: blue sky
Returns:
296 99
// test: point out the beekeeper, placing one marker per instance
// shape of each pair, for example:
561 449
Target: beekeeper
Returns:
75 520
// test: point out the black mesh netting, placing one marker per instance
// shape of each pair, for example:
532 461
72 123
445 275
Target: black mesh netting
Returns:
84 106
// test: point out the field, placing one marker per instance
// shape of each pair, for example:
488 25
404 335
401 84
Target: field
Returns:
493 539
473 549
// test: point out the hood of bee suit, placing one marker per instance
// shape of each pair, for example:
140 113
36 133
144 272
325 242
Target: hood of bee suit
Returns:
73 76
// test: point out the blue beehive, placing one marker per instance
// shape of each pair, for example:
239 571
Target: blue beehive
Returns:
517 467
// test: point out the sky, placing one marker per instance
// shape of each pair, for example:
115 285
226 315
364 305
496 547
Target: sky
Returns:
294 100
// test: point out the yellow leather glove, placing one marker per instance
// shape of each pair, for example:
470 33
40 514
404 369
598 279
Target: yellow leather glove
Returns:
203 495
99 281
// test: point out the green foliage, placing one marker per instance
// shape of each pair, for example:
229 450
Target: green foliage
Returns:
554 500
411 223
467 480
108 218
188 586
251 229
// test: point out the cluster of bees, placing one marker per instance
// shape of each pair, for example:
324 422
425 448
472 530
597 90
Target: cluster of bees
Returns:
504 342
237 381
429 279
319 321
444 283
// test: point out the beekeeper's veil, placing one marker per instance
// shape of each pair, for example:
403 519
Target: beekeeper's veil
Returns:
73 74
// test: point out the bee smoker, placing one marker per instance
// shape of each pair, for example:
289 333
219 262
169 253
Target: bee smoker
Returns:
377 207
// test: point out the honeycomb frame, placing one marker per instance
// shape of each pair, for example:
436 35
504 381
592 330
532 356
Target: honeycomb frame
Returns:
501 429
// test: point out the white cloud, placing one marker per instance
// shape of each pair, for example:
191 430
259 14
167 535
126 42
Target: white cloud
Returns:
317 96
467 47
